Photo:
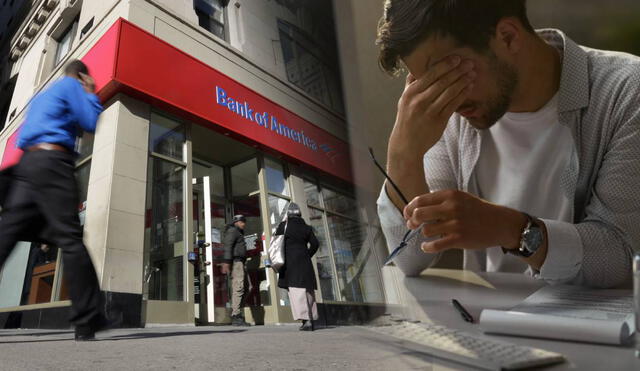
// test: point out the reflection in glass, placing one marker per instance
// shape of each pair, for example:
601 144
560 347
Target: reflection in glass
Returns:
215 174
277 210
164 240
166 137
340 203
323 258
258 293
82 179
41 269
244 178
276 181
311 64
84 146
358 272
312 193
210 16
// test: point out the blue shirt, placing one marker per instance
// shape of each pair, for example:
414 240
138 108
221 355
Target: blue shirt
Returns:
55 115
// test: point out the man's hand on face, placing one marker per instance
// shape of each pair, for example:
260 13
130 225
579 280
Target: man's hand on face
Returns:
427 103
87 82
460 220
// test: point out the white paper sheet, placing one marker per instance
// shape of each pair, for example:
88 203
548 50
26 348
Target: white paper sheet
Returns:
567 313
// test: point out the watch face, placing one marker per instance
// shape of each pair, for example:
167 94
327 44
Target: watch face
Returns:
532 239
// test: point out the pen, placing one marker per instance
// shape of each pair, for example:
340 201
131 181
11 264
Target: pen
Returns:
463 312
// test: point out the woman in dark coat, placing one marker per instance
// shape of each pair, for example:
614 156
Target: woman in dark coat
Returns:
297 274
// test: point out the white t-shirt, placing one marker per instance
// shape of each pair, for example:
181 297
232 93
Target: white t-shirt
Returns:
521 160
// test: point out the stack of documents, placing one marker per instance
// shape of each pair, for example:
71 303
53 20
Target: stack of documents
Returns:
567 313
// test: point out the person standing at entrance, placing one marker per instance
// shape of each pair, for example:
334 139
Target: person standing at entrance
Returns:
297 275
235 256
43 188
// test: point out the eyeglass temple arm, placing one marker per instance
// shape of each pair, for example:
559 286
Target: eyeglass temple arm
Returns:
395 187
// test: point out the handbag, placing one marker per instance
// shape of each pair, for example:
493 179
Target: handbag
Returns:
276 250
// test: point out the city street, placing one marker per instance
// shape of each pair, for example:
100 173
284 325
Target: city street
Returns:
269 347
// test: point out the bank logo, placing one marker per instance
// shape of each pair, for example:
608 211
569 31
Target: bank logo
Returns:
270 122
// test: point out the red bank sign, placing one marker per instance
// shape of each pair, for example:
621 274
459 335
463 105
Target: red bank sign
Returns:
130 60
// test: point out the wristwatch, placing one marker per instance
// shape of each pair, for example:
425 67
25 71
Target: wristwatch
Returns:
531 239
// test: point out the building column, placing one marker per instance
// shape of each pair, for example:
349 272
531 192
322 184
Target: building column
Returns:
114 230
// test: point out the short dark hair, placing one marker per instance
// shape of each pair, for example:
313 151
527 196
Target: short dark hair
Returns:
472 23
75 67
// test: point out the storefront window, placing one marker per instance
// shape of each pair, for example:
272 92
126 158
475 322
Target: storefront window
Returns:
323 256
84 146
244 178
166 137
165 225
277 210
340 203
82 178
346 239
312 193
246 201
165 236
28 275
276 181
216 177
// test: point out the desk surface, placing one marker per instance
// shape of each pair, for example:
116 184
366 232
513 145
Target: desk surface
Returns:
429 300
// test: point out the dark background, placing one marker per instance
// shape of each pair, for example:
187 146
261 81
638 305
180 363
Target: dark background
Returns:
600 24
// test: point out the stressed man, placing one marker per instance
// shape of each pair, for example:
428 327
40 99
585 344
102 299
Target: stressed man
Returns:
518 146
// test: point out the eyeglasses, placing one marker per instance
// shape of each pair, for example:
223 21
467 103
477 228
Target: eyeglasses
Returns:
411 234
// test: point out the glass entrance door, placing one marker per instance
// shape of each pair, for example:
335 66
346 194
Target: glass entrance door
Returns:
245 197
211 287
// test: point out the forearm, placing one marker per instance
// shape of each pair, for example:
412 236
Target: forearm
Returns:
412 260
407 172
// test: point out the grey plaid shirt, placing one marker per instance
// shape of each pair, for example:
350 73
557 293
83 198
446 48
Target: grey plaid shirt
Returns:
599 101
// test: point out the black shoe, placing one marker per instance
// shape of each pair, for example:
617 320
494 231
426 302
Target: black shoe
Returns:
304 321
85 333
308 326
239 321
88 331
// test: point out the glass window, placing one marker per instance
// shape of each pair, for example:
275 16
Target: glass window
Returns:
210 16
166 137
277 210
164 242
215 174
82 178
249 206
340 203
84 146
27 276
310 67
276 181
312 193
323 256
64 44
358 272
244 178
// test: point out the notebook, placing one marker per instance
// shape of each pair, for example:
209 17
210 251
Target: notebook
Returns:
567 313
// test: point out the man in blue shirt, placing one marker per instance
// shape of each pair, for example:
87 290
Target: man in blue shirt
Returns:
43 188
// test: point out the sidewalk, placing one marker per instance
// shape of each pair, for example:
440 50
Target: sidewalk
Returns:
209 348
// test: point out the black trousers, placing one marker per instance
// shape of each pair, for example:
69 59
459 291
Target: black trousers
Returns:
44 188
